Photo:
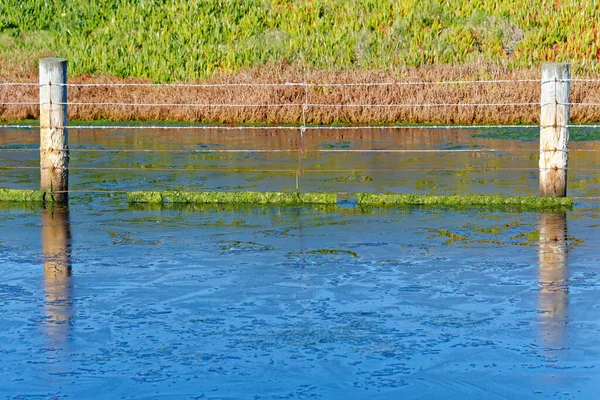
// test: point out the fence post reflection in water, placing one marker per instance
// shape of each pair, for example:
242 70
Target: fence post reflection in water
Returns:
553 278
56 240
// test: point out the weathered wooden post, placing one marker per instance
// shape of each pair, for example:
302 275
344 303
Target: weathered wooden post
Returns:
554 131
54 155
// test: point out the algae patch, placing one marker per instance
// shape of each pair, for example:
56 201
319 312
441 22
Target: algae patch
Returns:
495 200
334 252
281 198
25 195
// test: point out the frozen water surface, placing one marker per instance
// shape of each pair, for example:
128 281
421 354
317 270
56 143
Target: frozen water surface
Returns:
108 300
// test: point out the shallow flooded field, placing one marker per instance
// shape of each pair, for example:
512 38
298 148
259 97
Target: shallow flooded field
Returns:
112 300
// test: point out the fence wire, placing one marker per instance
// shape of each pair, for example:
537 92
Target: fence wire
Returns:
257 128
303 84
302 129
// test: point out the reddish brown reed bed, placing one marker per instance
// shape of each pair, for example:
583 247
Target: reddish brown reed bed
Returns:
328 103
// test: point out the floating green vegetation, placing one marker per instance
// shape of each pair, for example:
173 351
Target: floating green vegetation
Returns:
480 200
527 238
580 134
280 198
334 252
25 195
454 238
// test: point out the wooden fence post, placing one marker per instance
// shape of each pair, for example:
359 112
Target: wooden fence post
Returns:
54 155
554 131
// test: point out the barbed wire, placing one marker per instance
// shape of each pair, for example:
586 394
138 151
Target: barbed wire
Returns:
303 84
293 150
294 127
311 105
305 171
586 104
304 105
275 84
19 84
243 151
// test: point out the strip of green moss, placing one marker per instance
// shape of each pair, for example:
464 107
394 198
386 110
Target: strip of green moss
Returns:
24 195
280 198
479 200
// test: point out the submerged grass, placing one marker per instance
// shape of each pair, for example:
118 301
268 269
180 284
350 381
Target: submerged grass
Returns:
280 198
476 200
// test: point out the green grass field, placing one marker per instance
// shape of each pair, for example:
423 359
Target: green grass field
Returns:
183 40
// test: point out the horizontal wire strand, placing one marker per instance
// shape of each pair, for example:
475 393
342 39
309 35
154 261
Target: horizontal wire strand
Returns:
302 84
287 84
307 170
249 151
295 127
310 105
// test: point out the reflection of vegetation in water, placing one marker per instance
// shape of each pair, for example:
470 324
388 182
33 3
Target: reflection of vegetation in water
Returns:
531 134
426 184
587 186
351 178
336 145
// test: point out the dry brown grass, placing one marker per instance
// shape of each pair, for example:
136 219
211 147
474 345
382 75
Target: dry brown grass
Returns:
523 92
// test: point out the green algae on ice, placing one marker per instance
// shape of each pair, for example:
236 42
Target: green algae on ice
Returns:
283 198
477 200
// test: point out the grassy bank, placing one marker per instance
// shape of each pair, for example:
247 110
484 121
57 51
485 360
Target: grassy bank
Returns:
190 40
315 41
